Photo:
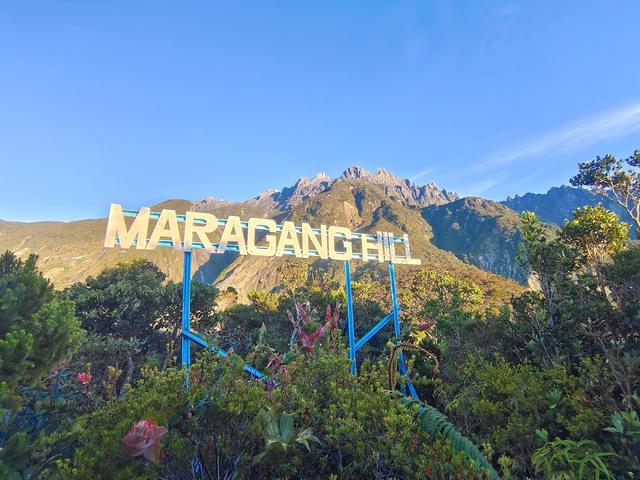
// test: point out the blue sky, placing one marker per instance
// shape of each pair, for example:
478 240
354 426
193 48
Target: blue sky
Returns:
136 102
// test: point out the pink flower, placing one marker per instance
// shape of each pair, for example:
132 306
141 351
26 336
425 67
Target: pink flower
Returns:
84 378
144 439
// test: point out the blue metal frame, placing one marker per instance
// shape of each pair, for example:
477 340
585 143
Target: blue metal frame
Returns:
192 337
187 336
350 322
186 310
393 315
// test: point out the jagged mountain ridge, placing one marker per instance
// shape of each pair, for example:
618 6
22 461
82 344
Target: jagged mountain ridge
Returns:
557 205
275 202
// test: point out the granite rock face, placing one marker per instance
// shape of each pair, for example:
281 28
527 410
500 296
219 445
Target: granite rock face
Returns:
302 190
401 189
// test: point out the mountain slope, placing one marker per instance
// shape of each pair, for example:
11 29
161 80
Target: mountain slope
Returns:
72 251
479 232
363 207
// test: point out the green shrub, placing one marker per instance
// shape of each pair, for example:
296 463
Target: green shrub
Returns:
218 426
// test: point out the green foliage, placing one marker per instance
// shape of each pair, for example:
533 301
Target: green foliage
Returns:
623 278
124 301
505 404
46 426
220 427
595 232
619 180
625 426
550 259
264 302
571 460
439 427
134 316
37 331
279 436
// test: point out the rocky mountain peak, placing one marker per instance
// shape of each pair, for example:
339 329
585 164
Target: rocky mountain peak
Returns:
384 176
354 173
397 188
401 189
268 193
304 188
208 203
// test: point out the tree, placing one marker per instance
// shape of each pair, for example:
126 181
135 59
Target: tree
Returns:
131 302
125 301
618 180
203 303
37 333
596 233
37 330
551 262
450 302
294 275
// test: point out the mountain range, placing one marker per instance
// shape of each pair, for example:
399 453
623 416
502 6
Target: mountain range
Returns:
471 237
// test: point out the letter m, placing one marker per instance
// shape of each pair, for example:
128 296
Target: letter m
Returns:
117 228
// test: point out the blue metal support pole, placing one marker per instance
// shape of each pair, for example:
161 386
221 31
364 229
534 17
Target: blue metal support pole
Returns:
218 351
350 322
396 315
394 301
186 311
374 330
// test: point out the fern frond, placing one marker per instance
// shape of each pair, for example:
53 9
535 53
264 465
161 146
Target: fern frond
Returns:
438 426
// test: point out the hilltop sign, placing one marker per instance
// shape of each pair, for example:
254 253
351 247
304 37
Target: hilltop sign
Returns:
257 236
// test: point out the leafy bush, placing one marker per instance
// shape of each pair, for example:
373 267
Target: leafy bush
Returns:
219 426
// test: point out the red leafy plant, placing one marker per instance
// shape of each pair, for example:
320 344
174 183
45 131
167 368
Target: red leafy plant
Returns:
274 366
307 341
427 325
331 317
144 439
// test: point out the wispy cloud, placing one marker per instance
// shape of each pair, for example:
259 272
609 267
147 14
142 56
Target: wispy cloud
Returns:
420 174
477 188
570 137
